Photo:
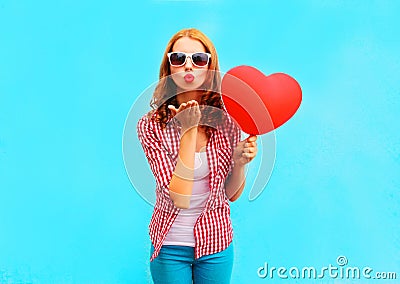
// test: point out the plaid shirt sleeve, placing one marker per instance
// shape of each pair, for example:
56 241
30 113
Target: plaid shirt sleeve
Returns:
235 135
160 161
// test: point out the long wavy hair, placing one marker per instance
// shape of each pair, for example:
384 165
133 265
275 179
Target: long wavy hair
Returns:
166 89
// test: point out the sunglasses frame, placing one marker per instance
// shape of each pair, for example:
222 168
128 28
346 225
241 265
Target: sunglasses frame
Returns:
191 58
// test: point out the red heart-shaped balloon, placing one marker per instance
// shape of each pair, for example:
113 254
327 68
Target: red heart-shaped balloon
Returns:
259 103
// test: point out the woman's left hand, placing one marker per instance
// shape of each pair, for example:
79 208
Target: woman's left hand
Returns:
245 151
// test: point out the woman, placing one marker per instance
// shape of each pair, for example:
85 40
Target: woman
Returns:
194 152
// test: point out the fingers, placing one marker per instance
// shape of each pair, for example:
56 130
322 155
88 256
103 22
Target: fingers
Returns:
251 138
188 114
249 149
250 145
173 109
182 107
185 106
246 150
191 105
249 153
192 110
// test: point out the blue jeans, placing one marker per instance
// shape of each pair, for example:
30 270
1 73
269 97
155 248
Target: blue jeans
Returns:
176 265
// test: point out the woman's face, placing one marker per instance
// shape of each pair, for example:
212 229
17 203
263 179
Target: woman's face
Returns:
188 76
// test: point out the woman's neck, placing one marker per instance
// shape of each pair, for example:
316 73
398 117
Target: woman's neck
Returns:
187 96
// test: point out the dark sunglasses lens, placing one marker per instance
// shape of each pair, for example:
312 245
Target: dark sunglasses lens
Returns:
177 58
200 59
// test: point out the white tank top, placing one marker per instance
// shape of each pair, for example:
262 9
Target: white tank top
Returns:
181 232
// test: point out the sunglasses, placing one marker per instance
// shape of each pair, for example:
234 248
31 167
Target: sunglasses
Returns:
178 59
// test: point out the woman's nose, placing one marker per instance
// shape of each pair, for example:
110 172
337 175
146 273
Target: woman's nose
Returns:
188 63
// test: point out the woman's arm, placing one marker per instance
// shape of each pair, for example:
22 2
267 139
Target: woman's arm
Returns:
180 187
164 169
181 184
234 184
244 152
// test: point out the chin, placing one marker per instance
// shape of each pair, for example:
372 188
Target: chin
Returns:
193 86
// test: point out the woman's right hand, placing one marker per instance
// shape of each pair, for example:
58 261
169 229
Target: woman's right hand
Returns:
188 114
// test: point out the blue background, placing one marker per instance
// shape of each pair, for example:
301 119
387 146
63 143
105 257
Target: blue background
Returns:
71 70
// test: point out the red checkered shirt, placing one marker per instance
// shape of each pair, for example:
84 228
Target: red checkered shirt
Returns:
213 229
